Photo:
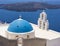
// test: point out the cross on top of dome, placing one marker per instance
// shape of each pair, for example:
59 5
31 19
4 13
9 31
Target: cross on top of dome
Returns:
20 17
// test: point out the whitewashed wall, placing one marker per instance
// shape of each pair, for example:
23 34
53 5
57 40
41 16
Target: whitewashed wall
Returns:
13 35
54 42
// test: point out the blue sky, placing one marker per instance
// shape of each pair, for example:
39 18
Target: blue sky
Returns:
13 1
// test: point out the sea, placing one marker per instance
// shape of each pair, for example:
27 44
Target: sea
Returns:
53 15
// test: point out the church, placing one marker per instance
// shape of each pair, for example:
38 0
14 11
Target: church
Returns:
23 33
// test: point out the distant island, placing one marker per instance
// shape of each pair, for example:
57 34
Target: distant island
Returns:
29 6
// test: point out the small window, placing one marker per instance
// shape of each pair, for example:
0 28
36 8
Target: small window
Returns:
42 16
40 24
17 26
44 26
17 36
27 36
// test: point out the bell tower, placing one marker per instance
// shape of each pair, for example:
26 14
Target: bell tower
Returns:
42 21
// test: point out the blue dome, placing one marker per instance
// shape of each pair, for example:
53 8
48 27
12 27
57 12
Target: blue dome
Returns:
20 26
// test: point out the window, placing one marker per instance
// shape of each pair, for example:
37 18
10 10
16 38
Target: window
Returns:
27 36
40 24
17 26
17 36
42 16
43 25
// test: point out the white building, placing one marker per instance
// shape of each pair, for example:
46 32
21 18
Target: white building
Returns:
29 34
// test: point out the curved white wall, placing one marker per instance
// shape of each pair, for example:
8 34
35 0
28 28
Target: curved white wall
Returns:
12 36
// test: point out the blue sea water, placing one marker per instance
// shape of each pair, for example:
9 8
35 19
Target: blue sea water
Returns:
52 14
